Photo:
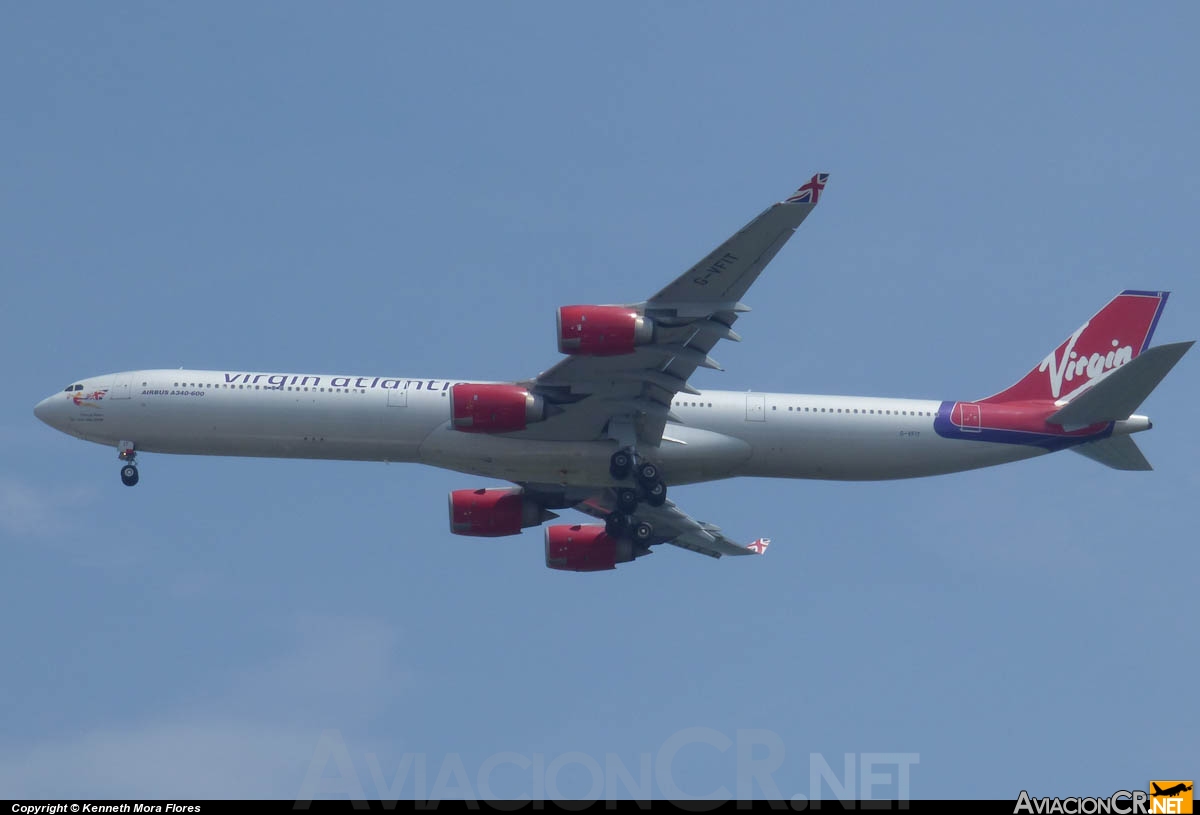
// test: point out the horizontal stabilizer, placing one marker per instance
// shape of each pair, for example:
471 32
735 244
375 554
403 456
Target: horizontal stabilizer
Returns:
1118 452
1119 393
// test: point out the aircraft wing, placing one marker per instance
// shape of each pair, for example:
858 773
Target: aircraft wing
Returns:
690 315
674 526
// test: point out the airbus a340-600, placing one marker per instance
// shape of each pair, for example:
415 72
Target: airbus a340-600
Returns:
613 425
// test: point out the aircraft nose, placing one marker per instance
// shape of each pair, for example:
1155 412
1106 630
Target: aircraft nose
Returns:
44 411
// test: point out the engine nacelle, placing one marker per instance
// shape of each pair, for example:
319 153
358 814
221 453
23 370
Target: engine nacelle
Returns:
581 548
492 513
602 331
493 408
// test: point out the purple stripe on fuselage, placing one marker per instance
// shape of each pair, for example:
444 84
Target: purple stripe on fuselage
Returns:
944 426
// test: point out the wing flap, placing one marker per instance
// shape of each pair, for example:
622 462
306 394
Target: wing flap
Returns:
674 526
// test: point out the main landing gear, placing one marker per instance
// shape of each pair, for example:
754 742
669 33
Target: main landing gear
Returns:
619 525
650 488
129 472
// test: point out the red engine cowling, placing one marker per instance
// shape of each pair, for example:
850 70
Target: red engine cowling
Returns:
493 408
585 549
492 513
601 331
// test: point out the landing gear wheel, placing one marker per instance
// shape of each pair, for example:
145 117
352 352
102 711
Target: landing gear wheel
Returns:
620 465
647 474
129 475
642 533
656 494
616 525
627 500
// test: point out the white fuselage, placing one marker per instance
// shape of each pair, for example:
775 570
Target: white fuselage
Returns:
719 434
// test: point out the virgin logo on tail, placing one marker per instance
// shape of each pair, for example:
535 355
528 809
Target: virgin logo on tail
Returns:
1114 335
1071 365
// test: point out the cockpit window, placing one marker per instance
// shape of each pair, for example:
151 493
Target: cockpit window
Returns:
70 388
79 387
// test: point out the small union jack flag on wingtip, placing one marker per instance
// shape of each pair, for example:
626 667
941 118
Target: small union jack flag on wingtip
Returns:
810 193
759 546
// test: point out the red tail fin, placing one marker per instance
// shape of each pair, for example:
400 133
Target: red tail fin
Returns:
1115 335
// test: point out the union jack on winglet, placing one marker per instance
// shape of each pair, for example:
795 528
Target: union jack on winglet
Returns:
810 193
759 546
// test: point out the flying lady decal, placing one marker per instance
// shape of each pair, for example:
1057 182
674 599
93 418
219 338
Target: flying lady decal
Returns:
91 400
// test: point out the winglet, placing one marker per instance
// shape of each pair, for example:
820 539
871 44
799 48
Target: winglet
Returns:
759 547
810 193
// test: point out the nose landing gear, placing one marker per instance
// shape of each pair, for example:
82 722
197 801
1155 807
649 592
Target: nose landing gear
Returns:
129 472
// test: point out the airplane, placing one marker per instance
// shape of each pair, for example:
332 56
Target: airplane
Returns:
1170 791
613 423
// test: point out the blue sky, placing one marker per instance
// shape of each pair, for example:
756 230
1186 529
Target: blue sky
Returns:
410 190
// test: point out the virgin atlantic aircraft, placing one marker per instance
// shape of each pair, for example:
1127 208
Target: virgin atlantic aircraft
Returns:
608 428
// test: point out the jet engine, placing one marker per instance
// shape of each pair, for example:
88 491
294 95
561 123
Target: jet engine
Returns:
492 513
493 408
581 548
602 331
